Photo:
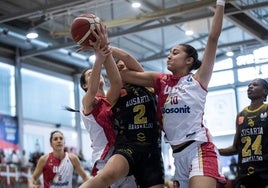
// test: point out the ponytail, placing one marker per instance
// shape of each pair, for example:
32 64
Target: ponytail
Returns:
71 109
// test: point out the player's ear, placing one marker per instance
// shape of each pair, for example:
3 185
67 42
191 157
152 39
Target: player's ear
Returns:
189 60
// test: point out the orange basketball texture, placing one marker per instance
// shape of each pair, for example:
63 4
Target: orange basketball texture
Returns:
82 27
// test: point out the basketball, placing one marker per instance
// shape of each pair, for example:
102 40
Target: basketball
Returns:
82 27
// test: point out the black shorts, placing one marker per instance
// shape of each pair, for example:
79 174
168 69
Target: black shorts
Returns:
253 181
146 166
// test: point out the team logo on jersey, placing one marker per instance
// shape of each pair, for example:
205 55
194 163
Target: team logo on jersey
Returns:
263 116
123 92
164 79
251 122
191 168
189 79
126 151
50 163
240 120
250 170
141 137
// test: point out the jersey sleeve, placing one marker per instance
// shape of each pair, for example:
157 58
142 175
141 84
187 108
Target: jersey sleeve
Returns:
157 83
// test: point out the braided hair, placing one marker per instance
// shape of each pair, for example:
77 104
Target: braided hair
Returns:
265 86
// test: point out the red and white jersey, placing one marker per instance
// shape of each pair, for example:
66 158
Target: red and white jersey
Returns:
181 102
58 173
99 126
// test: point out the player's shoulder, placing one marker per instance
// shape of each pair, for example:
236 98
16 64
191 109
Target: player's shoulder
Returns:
43 159
73 157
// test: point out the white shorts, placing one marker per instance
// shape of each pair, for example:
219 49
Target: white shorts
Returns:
126 182
198 159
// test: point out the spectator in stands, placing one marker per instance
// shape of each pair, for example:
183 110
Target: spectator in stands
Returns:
2 157
35 157
24 160
13 158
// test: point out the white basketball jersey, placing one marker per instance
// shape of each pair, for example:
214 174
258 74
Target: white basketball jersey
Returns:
58 173
181 102
99 126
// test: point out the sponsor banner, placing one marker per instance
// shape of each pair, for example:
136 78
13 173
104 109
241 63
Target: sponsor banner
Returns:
9 133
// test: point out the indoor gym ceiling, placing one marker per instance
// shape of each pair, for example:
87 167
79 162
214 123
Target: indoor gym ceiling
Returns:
148 32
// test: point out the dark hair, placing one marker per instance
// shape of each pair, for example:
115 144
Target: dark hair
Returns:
191 51
83 79
265 86
52 133
82 82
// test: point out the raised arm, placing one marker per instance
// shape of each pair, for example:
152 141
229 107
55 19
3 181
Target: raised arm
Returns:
130 61
93 77
204 73
113 74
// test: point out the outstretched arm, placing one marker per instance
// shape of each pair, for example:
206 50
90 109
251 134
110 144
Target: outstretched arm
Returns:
134 73
204 73
145 79
130 61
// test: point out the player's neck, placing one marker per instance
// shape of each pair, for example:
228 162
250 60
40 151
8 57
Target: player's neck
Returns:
255 104
59 154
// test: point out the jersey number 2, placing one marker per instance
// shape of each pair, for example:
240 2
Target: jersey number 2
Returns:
139 117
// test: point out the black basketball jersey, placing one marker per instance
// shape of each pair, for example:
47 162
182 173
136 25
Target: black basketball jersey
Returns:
135 117
253 141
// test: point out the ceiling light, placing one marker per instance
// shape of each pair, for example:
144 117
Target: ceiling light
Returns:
189 32
32 34
230 53
136 5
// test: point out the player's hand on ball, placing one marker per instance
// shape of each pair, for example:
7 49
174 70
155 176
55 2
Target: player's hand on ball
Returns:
100 51
102 32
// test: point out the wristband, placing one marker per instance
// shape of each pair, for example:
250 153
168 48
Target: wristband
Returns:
220 2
